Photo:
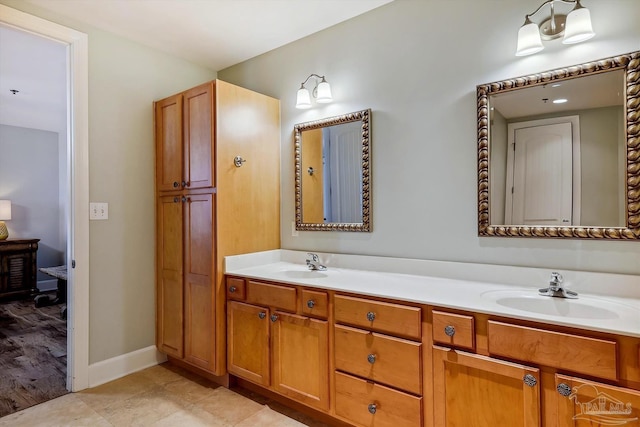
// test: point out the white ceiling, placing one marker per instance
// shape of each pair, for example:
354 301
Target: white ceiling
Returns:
213 33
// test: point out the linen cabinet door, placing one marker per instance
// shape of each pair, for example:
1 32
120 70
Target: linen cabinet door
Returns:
170 293
300 352
168 132
248 342
478 391
584 403
199 262
198 137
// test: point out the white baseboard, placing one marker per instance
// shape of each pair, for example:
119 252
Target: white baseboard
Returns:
125 364
47 285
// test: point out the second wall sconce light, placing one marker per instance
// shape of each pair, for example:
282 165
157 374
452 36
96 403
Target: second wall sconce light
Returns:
321 92
575 26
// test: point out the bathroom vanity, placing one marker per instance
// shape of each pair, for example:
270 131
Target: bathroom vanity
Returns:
384 348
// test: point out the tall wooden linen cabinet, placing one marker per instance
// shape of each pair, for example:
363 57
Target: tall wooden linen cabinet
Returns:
217 194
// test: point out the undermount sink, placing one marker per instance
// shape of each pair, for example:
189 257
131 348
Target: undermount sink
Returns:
302 274
582 308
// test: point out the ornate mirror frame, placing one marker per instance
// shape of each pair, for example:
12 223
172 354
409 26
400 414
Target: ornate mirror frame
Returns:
630 63
363 116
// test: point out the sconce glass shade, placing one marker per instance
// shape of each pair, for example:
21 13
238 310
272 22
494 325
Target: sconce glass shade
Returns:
529 41
303 99
5 210
578 27
324 93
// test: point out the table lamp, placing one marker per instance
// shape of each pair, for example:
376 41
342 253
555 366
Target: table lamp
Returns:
5 215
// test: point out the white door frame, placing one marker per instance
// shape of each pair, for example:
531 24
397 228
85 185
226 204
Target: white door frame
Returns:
77 217
576 169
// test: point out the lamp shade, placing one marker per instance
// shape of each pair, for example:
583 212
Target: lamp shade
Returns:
5 210
578 27
303 99
324 93
529 41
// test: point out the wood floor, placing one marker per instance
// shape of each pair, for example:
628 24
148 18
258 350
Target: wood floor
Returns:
33 355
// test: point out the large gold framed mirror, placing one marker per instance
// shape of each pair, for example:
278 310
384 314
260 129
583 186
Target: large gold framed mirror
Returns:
332 173
559 152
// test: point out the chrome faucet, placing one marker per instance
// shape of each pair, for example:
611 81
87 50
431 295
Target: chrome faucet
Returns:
313 262
555 290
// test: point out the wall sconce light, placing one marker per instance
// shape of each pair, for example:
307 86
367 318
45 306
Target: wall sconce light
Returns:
5 215
321 92
576 27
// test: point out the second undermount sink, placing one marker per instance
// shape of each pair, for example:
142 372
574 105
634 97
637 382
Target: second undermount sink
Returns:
582 308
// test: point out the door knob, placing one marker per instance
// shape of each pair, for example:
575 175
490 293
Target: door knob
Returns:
238 161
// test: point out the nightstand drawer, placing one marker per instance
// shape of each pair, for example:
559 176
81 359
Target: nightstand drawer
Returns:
379 316
453 329
393 361
315 303
280 297
368 404
235 288
590 356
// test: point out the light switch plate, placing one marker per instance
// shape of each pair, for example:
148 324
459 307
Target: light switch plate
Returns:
98 211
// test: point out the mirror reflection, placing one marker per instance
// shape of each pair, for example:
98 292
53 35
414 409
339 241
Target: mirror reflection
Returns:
332 173
557 153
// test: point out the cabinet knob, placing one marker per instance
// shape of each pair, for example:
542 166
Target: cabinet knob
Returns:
185 184
371 316
530 380
232 289
176 199
372 408
449 330
175 184
262 315
274 317
371 358
311 303
238 161
563 389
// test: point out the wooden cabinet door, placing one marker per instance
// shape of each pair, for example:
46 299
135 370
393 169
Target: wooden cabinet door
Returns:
300 357
168 132
584 403
477 391
199 237
199 146
169 322
248 342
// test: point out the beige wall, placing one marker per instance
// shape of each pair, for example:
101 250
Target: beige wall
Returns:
124 79
416 64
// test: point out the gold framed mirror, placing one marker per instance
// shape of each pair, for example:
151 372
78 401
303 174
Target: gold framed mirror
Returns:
333 177
559 152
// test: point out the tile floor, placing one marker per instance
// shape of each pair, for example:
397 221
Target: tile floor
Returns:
163 396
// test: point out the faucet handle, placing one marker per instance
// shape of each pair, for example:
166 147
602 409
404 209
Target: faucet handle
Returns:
314 257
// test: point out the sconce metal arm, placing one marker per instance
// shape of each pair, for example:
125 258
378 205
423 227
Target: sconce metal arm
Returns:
322 77
551 2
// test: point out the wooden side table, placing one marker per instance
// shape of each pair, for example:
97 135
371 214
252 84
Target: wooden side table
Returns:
18 268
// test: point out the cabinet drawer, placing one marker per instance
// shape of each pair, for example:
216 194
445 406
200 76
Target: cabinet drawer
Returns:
379 316
453 329
281 297
590 356
235 288
389 360
367 404
314 303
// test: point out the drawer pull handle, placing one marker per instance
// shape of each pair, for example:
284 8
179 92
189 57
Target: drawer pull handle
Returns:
372 408
530 380
371 358
449 330
232 289
371 316
563 389
311 303
274 317
262 315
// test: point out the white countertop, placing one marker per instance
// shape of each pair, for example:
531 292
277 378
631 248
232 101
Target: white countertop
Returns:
619 314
